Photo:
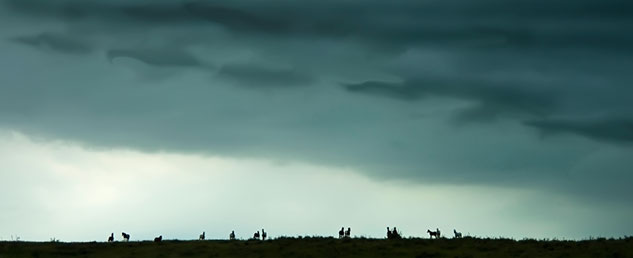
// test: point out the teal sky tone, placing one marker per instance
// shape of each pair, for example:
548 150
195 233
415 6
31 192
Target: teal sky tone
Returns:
525 103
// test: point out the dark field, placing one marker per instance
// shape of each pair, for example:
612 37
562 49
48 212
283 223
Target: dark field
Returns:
326 247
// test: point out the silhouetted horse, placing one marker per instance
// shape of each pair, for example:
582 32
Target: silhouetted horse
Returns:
263 234
457 234
111 238
126 237
341 233
232 235
348 232
432 234
158 239
201 236
256 235
393 234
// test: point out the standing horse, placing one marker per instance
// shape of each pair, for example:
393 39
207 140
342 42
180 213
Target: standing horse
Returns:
126 236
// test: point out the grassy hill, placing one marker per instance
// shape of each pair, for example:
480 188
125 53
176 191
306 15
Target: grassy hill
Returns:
325 247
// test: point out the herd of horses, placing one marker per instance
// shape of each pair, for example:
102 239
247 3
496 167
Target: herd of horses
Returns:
126 237
391 234
394 234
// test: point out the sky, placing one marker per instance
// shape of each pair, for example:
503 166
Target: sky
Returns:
495 118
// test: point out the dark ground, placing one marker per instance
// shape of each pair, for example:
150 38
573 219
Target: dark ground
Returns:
326 247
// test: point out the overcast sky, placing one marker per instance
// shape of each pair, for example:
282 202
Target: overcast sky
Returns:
492 117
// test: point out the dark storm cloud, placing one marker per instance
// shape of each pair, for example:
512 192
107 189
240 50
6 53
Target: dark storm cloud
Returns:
170 57
499 61
613 130
492 98
492 23
263 77
57 42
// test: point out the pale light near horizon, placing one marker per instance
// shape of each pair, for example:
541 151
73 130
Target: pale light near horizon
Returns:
56 189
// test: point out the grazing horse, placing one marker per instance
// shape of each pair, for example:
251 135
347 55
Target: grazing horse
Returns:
263 234
256 235
432 234
111 238
201 236
348 232
126 236
341 233
457 234
158 239
232 235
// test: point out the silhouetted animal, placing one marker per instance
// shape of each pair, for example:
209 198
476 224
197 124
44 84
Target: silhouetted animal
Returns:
158 239
457 234
201 236
256 235
263 234
433 233
395 234
126 237
341 233
348 232
232 235
111 238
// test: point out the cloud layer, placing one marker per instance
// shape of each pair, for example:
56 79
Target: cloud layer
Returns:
455 92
